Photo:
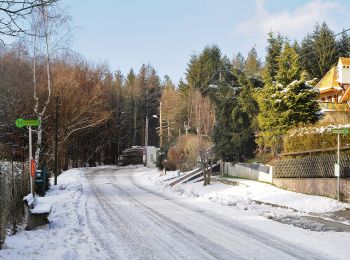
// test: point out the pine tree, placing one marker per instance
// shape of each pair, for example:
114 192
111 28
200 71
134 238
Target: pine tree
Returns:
307 58
287 101
225 147
238 62
252 64
325 49
343 45
274 48
203 69
319 51
285 106
288 65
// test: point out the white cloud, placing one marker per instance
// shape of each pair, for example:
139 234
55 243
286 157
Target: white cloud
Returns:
292 23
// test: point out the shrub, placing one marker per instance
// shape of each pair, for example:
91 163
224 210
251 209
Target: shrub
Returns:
310 138
173 159
184 155
161 156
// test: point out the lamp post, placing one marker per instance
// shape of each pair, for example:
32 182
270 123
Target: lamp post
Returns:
216 87
146 136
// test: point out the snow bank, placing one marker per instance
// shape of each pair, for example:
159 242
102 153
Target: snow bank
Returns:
249 194
66 236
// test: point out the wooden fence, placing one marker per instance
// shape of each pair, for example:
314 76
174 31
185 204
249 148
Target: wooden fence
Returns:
321 166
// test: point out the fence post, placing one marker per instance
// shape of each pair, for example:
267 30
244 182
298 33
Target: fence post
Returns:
1 205
13 201
271 171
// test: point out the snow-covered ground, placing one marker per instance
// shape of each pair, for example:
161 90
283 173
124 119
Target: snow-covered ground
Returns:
67 232
132 213
249 192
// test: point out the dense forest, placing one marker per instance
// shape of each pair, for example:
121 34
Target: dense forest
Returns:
241 106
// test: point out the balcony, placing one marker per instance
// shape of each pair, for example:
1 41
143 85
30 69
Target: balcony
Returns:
334 107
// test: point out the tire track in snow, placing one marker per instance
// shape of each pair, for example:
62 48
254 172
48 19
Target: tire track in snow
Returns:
194 240
293 250
116 236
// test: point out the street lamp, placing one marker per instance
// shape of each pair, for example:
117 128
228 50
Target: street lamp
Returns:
146 136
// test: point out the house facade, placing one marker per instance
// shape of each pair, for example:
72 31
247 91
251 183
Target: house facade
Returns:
334 88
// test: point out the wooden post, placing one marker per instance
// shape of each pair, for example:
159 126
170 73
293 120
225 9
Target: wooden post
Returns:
56 141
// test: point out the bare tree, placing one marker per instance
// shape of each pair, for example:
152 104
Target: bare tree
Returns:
206 154
14 12
47 28
203 114
173 106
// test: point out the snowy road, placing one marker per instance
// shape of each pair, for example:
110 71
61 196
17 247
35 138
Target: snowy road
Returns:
133 221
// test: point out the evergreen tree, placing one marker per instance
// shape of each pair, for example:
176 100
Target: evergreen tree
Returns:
182 86
130 108
288 65
288 100
238 62
343 45
274 48
325 49
225 147
203 69
150 88
307 58
247 101
252 64
319 51
168 82
285 106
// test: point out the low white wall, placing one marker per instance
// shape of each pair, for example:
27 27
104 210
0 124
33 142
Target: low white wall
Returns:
151 156
244 171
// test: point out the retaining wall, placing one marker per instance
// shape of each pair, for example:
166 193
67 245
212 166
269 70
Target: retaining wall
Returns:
316 186
252 171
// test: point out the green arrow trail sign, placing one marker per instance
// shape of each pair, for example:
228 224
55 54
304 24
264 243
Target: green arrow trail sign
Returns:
341 131
20 122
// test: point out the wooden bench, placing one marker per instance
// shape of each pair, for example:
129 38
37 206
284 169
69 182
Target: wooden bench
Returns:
36 214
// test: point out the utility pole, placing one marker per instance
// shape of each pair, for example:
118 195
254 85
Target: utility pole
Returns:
31 160
56 140
338 177
20 123
160 126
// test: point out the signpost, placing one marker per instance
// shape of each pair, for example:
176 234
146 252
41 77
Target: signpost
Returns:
339 131
20 123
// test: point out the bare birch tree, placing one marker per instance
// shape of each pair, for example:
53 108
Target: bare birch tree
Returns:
47 32
14 12
203 114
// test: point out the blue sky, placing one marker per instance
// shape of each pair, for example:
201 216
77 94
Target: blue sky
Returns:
128 33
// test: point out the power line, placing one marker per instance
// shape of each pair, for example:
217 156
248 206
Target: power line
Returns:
330 45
